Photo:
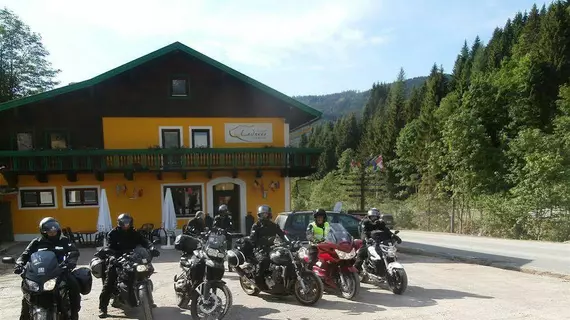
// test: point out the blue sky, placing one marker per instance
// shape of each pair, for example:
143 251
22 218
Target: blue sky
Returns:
296 46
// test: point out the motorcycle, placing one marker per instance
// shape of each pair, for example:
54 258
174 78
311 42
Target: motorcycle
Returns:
335 266
285 275
134 286
202 264
44 286
382 264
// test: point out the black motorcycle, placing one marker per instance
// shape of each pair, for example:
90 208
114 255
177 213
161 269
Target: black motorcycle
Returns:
200 282
44 286
286 274
134 287
382 264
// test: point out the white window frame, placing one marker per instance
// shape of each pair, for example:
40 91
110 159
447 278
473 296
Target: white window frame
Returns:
192 128
179 128
64 196
38 188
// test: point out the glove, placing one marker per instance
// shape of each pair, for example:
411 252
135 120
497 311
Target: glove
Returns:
71 266
154 252
18 269
398 240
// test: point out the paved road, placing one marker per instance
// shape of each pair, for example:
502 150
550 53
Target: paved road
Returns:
438 290
540 256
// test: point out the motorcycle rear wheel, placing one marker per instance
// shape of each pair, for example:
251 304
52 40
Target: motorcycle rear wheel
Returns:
353 285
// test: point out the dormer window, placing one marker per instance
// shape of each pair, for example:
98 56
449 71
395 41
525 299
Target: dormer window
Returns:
179 87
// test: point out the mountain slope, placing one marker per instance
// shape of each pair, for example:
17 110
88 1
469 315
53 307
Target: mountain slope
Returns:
335 105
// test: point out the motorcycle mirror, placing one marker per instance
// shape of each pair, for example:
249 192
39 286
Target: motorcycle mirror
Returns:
397 231
8 260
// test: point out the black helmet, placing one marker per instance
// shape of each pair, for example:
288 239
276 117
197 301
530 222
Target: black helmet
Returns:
320 213
47 226
125 220
373 214
264 212
223 209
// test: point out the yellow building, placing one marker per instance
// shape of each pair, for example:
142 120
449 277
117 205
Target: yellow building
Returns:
171 119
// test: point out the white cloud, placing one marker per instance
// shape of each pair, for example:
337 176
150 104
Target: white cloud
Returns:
256 32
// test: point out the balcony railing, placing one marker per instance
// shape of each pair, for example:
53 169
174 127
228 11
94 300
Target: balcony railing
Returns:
109 160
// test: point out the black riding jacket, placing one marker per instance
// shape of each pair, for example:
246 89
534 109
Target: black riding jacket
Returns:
122 241
62 247
261 232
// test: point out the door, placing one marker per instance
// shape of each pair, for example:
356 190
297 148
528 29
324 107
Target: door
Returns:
171 139
230 196
6 232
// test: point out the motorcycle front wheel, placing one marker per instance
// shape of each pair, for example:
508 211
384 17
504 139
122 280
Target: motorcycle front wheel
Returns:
145 304
214 308
398 281
41 314
314 289
351 287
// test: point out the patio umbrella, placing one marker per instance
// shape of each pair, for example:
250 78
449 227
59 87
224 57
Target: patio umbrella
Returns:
104 223
168 218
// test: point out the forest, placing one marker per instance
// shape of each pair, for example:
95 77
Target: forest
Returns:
484 151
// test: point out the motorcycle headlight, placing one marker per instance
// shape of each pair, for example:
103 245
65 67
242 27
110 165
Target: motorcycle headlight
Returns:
214 253
50 285
345 255
32 285
142 268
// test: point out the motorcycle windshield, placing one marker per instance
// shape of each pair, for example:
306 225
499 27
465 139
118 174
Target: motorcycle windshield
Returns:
338 234
216 241
141 255
43 266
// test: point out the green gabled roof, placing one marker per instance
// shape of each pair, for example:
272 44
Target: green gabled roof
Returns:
151 56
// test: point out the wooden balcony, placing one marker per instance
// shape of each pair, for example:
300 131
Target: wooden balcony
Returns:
291 161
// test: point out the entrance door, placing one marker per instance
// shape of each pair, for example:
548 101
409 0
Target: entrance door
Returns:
6 232
228 194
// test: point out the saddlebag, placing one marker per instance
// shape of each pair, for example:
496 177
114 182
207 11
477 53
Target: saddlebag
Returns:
84 278
186 243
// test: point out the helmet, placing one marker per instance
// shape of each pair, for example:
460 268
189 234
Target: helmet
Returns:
200 215
264 212
223 209
320 213
373 214
125 220
97 267
50 228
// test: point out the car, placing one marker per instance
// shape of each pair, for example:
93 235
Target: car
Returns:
295 223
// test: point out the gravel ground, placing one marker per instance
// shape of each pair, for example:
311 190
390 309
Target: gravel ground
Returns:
438 289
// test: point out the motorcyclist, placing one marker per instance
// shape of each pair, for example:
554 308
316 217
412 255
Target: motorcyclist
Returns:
196 225
51 239
224 221
370 223
316 233
262 232
123 239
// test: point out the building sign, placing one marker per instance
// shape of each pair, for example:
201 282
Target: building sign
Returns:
249 132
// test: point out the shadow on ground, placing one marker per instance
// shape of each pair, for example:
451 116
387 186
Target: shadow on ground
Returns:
459 255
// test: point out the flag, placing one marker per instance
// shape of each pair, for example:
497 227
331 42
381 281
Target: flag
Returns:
378 163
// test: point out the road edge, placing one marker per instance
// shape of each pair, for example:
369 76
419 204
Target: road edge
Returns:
482 262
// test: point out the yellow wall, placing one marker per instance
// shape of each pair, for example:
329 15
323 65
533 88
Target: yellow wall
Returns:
146 209
142 133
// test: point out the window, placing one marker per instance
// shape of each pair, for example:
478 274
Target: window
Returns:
171 137
187 199
81 197
299 221
57 140
179 87
38 198
24 141
201 137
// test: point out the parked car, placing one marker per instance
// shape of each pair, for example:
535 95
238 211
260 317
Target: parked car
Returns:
295 223
388 218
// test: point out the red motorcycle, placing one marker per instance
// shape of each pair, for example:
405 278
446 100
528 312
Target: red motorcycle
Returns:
335 266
